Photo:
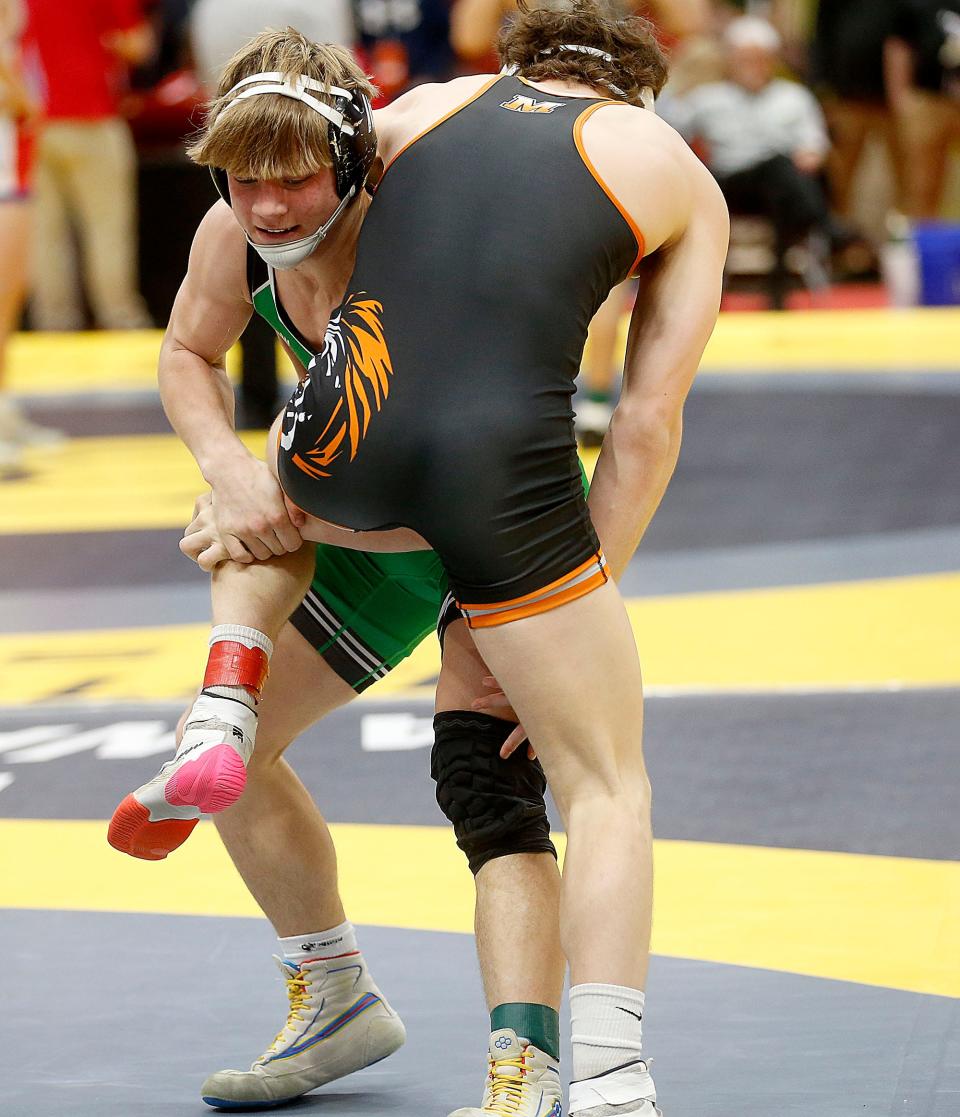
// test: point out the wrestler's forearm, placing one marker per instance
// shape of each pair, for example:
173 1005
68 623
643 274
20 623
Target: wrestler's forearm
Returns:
199 403
632 474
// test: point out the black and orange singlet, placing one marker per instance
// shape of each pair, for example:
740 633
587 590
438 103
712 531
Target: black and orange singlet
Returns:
441 400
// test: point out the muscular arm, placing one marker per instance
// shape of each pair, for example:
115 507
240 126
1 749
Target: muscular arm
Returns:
675 314
210 312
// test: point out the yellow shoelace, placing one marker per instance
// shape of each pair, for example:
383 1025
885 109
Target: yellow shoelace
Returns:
298 992
506 1090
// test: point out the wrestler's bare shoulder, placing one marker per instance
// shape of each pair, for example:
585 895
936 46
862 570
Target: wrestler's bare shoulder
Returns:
422 107
649 168
219 251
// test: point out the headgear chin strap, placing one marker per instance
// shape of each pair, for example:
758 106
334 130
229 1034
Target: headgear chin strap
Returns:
353 145
293 252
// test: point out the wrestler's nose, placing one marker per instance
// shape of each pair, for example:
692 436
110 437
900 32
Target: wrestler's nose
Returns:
270 202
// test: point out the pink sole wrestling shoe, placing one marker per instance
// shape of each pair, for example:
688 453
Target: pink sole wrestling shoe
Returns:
207 775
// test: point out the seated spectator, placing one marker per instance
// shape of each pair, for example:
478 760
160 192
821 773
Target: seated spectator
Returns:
922 63
764 139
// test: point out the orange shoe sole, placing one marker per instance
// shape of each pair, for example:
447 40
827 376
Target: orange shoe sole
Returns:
132 832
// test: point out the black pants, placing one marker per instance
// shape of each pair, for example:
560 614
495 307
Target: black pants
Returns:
793 201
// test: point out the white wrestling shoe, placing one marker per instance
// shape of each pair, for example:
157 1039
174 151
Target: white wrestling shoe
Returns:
207 775
522 1081
339 1022
626 1091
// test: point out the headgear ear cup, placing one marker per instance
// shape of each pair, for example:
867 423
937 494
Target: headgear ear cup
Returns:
353 155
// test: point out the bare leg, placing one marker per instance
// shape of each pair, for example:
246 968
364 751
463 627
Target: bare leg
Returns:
14 233
280 844
274 833
518 897
14 238
583 707
261 595
601 366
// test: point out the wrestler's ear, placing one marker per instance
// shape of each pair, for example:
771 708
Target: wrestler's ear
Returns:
374 175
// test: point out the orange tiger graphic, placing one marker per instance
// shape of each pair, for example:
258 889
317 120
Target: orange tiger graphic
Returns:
353 371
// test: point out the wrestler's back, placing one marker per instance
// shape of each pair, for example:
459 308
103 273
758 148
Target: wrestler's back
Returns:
488 248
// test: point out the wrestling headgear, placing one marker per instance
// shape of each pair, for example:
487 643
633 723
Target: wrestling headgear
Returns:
353 146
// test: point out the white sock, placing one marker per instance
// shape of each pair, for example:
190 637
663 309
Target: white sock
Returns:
320 944
252 638
606 1025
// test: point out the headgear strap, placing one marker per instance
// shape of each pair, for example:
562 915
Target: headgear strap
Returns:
646 94
275 82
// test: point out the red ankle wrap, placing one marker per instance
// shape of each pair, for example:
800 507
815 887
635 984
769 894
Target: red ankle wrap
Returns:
233 664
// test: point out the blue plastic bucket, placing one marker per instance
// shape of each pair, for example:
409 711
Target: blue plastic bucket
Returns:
938 249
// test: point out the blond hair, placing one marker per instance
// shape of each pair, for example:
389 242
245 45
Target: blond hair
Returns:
272 137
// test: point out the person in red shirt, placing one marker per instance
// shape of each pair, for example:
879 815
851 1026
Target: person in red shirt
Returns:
86 163
19 109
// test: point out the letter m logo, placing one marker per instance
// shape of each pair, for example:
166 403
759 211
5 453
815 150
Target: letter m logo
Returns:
530 104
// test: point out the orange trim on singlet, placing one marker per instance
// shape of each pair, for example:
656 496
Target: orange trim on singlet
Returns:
538 592
436 124
533 608
578 140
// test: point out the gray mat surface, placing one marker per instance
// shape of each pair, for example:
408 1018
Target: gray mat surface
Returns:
864 773
123 1015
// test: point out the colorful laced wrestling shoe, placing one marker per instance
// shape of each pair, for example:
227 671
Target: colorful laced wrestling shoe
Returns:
626 1091
339 1022
207 775
522 1081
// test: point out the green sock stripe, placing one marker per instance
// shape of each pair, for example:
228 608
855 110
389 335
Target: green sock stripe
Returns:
539 1024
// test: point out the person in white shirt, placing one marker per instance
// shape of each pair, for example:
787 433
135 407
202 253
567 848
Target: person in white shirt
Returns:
763 137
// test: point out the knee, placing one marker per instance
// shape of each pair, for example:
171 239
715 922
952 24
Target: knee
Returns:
496 806
608 798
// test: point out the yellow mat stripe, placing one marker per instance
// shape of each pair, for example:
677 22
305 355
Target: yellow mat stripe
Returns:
858 340
120 483
904 340
95 361
897 631
878 920
869 633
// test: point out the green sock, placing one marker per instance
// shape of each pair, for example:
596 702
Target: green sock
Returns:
538 1024
598 395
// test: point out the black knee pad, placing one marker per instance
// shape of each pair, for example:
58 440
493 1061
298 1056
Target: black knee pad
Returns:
496 806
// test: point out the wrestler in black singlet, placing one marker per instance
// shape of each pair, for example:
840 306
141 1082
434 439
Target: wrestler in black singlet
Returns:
441 400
